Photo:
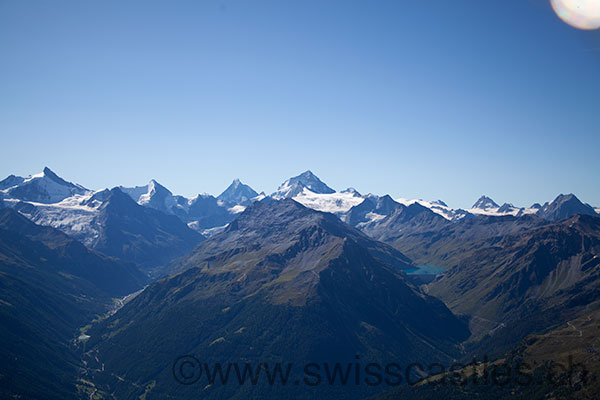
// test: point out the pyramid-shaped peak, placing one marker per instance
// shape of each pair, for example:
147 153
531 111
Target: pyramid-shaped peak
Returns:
561 198
48 173
154 185
237 193
44 187
118 201
485 202
297 184
565 206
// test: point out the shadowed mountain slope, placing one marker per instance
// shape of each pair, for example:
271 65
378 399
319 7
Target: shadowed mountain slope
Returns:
526 282
284 283
140 234
50 285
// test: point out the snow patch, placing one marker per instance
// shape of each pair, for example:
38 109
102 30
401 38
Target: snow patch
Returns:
236 209
335 203
373 217
213 231
435 206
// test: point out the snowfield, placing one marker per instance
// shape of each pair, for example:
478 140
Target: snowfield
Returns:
69 216
335 203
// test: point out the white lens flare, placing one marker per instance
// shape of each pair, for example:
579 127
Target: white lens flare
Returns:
581 14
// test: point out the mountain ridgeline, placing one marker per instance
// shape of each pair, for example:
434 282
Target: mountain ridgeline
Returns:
281 283
140 234
527 281
304 275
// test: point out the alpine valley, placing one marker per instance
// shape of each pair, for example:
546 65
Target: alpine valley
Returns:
104 292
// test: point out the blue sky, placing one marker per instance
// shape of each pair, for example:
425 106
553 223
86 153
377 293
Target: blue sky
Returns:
426 99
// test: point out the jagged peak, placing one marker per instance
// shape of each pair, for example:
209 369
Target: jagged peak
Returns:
352 191
564 197
308 173
237 193
293 186
48 173
117 199
440 203
485 202
153 185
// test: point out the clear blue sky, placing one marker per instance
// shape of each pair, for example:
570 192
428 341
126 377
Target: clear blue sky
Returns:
428 99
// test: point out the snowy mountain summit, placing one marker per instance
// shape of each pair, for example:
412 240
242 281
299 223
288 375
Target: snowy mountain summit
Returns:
294 186
310 191
153 195
352 191
237 193
564 206
485 203
45 187
47 199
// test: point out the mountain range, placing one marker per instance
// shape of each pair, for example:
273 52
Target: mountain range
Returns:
306 274
51 200
527 279
282 282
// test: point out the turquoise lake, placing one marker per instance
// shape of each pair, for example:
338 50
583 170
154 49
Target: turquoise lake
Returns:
425 270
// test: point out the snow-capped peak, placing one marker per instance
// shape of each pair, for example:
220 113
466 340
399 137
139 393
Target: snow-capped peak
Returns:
352 191
153 195
564 206
485 203
487 206
47 172
294 186
237 193
439 203
45 187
